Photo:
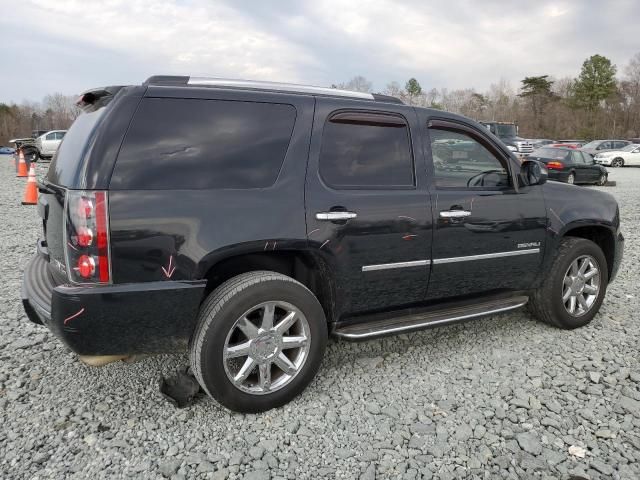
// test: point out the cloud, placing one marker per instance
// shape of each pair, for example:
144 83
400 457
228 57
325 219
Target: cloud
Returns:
455 44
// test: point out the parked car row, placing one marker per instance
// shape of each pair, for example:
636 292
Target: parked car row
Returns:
569 165
41 144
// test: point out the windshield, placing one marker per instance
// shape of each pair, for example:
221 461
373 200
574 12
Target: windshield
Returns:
506 130
593 144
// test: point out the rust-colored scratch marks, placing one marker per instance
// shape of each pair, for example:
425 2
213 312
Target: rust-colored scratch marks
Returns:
68 319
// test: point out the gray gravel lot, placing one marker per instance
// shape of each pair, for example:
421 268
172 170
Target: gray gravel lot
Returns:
500 397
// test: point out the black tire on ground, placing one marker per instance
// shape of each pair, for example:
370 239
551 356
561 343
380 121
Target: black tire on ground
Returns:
603 179
617 162
218 314
571 179
546 303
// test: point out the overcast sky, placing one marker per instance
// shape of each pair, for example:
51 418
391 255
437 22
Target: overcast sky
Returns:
68 46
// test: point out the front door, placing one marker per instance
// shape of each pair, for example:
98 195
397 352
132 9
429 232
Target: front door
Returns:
488 235
368 210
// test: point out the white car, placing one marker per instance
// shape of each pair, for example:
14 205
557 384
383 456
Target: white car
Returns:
48 143
629 155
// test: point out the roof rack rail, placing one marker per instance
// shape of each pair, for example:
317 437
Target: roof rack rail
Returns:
277 86
264 85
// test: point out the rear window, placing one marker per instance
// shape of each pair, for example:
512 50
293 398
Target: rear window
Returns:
551 153
204 144
65 163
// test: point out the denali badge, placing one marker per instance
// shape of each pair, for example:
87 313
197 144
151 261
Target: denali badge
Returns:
529 245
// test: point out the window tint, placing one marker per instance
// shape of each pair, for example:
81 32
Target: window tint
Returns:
51 136
59 135
366 151
619 144
204 144
460 161
604 146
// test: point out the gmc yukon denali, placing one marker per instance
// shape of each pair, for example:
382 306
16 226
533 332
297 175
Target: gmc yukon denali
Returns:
248 221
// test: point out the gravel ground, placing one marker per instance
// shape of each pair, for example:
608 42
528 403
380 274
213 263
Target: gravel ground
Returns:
500 397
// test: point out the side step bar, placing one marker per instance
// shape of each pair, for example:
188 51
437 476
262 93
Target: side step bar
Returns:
433 318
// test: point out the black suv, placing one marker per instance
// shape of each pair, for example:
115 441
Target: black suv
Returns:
246 221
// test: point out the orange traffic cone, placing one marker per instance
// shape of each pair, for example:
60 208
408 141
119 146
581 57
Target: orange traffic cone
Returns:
31 192
22 165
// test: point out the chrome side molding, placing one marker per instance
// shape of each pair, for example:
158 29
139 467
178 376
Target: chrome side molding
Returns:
388 266
485 256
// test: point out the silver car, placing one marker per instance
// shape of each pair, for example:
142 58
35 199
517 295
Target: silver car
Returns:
597 146
48 143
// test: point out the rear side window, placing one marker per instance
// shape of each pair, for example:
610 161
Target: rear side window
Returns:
366 150
51 136
204 144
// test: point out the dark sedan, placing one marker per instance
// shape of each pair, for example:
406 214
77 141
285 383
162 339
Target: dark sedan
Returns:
570 166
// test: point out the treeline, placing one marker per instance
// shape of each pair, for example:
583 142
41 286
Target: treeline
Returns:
56 111
600 103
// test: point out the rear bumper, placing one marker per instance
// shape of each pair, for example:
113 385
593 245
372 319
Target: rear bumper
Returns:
151 317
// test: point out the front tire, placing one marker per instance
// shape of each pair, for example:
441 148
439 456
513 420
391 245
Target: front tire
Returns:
617 162
575 287
259 341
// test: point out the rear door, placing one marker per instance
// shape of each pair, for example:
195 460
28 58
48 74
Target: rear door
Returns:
584 171
368 210
488 235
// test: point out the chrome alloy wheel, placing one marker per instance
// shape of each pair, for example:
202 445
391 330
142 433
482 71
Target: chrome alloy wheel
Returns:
581 285
266 347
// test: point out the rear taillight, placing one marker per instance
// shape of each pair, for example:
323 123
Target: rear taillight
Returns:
87 237
555 165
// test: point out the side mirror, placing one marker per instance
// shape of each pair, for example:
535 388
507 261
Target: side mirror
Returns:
533 172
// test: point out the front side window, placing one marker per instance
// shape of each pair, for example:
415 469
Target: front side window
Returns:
460 161
59 135
366 150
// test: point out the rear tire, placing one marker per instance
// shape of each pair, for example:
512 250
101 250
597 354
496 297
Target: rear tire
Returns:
603 179
571 179
238 347
617 162
547 303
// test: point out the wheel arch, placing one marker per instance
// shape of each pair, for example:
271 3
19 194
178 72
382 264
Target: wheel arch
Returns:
601 235
302 265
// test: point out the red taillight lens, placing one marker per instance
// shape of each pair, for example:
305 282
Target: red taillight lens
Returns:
83 238
86 266
87 230
555 165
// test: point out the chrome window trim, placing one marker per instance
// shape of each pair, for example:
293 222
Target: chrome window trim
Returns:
277 86
486 256
388 266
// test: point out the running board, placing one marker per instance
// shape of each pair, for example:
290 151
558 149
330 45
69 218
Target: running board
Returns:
434 318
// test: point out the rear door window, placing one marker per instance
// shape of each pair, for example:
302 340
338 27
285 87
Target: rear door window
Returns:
204 144
51 136
366 150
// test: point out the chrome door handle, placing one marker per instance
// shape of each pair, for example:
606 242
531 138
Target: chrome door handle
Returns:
332 216
454 213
